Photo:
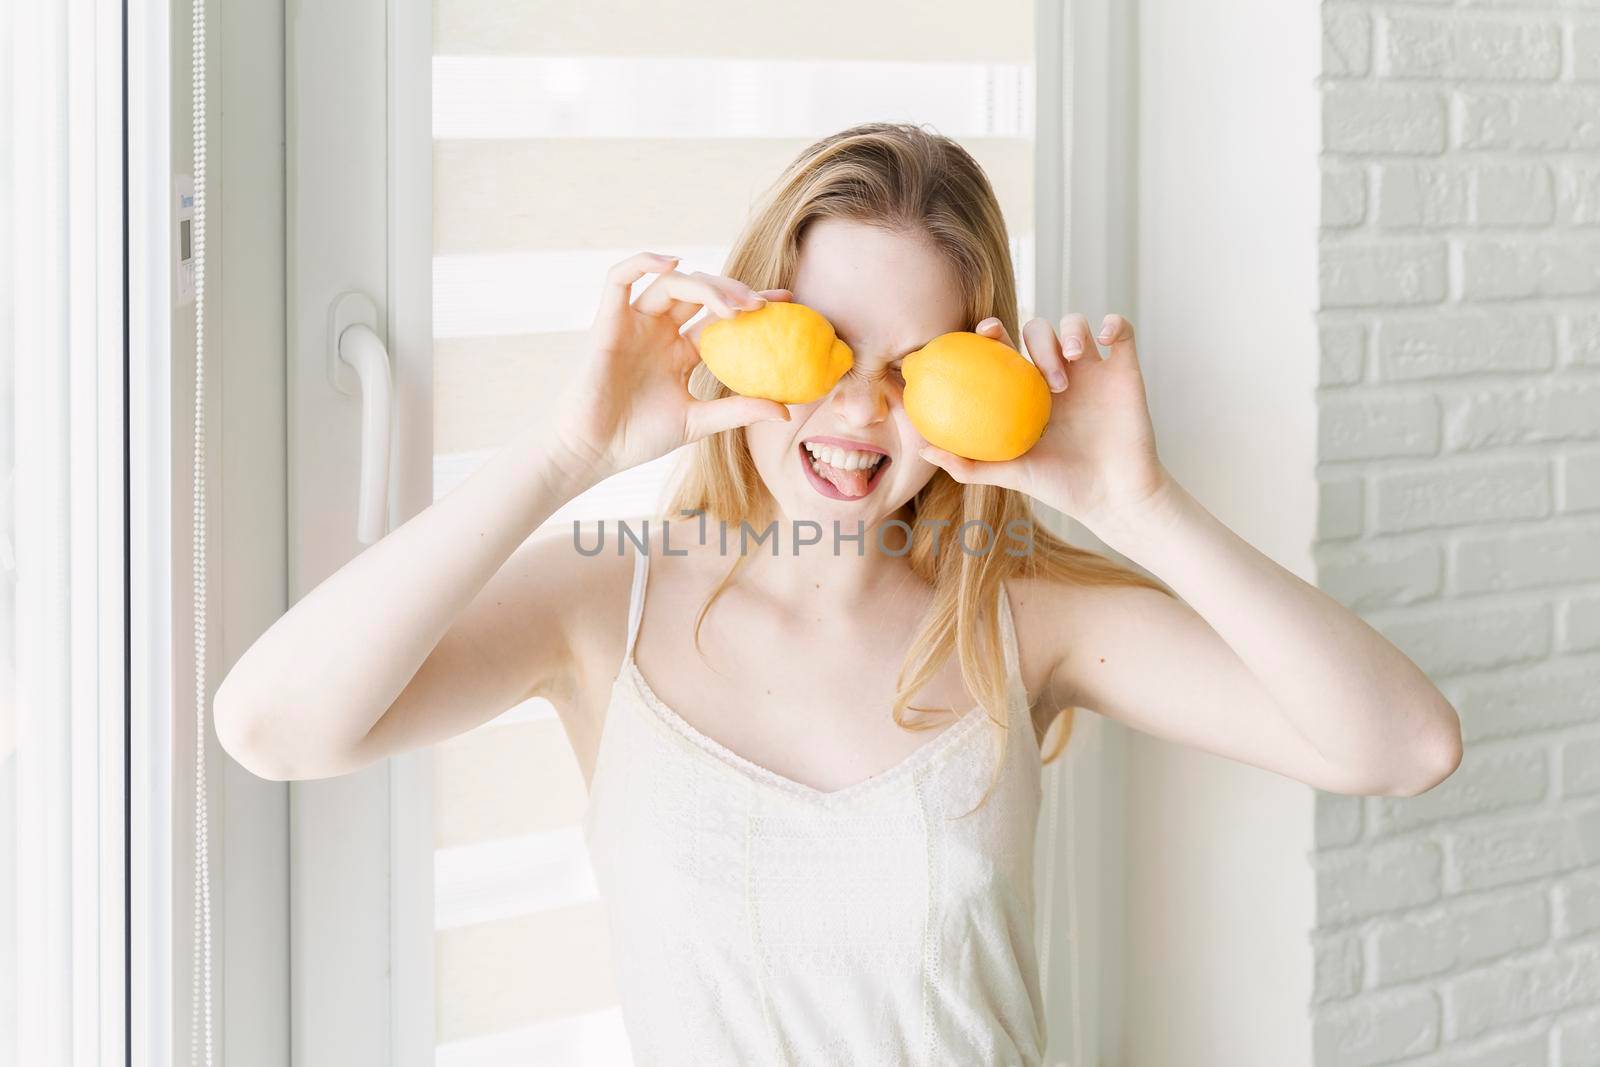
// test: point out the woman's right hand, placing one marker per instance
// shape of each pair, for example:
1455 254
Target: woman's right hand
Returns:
631 401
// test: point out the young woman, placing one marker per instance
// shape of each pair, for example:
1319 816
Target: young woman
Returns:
814 765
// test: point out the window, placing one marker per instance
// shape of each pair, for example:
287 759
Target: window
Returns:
566 138
62 680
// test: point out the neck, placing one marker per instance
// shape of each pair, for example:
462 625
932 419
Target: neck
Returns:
794 560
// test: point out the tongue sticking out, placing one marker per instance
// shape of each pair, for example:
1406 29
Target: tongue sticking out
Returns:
850 483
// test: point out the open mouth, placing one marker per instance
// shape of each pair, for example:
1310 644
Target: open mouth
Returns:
842 470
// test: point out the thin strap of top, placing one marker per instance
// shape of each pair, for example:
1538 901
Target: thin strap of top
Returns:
1008 634
641 573
641 569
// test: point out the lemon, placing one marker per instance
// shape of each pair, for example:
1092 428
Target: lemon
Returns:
781 351
975 396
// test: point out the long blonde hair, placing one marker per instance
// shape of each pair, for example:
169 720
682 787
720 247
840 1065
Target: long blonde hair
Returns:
907 179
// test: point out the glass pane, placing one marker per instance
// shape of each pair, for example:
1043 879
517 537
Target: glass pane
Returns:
10 917
567 137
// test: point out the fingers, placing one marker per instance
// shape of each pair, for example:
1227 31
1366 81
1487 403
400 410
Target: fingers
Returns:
677 292
1055 355
1007 475
707 417
992 327
1076 339
738 294
1044 348
618 288
1117 333
698 325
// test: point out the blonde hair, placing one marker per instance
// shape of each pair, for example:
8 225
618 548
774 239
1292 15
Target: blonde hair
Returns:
909 180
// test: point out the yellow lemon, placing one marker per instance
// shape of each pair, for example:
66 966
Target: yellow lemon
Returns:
781 351
975 396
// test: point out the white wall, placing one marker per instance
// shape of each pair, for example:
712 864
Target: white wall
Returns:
1460 417
1217 967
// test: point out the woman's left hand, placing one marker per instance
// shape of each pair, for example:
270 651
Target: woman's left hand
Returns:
1096 460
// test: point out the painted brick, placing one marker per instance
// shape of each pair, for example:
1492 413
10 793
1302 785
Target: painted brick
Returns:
1580 340
1458 934
1338 968
1586 51
1455 640
1338 819
1550 411
1423 194
1344 196
1361 275
1519 1050
1339 508
1520 269
1439 495
1460 219
1449 46
1438 193
1487 780
1511 993
1580 767
1360 119
1528 119
1578 195
1578 478
1370 881
1578 905
1376 1029
1439 346
1379 574
1490 856
1526 560
1551 695
1346 42
1344 352
1579 1041
1580 624
1513 195
1376 426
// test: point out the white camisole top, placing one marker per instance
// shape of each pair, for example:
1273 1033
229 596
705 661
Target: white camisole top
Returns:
755 920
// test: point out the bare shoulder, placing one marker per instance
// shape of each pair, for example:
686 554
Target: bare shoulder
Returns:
1058 624
584 571
536 629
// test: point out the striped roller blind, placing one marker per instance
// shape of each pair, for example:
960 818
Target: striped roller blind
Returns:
566 137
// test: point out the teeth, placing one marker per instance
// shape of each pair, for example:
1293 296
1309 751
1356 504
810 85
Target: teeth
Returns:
842 459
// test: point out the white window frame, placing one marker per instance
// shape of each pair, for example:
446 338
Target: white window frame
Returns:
360 194
150 580
67 273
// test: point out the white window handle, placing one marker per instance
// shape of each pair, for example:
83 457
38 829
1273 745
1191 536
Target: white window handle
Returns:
358 348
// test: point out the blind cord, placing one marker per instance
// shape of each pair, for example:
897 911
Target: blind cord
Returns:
200 1014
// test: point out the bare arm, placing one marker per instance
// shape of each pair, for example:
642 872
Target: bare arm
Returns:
1253 664
429 632
309 698
1257 665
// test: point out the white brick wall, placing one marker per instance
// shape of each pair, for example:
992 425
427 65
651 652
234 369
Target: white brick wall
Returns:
1459 450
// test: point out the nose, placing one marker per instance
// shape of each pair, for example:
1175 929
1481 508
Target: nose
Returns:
860 400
